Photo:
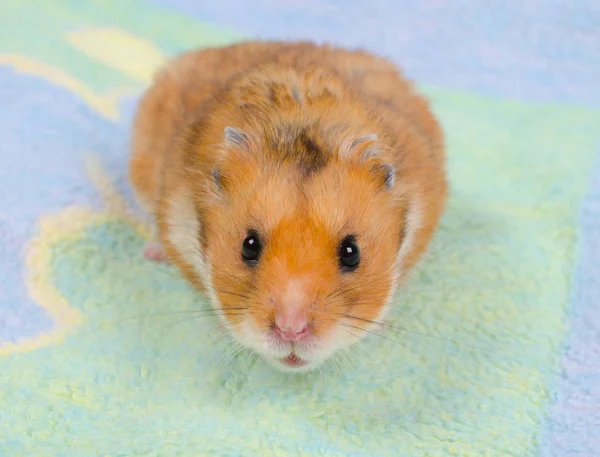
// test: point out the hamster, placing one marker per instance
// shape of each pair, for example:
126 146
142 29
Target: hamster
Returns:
294 184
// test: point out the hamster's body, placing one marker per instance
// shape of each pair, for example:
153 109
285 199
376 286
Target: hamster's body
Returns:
302 153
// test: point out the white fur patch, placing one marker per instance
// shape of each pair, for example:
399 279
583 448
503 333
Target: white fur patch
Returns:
183 233
183 229
412 224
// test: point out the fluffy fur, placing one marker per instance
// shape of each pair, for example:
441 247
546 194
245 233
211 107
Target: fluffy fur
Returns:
304 144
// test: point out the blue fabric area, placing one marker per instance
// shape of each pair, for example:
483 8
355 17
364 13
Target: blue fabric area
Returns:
573 427
44 163
530 50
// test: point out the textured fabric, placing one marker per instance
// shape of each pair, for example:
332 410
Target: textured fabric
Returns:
495 348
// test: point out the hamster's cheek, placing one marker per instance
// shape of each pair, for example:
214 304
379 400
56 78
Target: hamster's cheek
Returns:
317 350
249 335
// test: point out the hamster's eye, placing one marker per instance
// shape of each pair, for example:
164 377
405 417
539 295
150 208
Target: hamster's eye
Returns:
251 248
349 254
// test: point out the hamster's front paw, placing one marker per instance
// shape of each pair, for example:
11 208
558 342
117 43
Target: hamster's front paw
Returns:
153 251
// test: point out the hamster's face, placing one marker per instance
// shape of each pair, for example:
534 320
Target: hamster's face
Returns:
301 266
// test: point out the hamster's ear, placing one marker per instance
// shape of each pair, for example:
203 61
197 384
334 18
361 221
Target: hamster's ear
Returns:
387 173
360 149
235 138
236 143
363 150
217 178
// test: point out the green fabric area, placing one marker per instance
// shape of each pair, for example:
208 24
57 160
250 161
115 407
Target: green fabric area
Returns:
37 29
463 372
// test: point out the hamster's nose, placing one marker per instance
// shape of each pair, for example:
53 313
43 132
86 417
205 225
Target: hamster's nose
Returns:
291 326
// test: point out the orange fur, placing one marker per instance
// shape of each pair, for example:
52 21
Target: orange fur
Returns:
297 179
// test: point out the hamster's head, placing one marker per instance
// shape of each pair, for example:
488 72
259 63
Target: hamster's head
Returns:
299 242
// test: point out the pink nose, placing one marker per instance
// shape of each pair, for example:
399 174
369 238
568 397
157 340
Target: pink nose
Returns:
291 328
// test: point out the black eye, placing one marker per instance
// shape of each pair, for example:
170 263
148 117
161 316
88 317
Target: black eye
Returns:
349 254
251 248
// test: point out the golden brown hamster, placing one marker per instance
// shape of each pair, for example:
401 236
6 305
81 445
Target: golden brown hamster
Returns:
294 184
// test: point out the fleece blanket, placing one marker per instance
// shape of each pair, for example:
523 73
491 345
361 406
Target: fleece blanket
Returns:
495 349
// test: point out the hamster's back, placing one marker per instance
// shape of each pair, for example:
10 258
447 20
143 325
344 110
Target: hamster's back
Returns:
188 81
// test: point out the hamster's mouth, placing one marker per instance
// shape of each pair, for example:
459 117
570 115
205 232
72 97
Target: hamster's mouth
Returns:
293 361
